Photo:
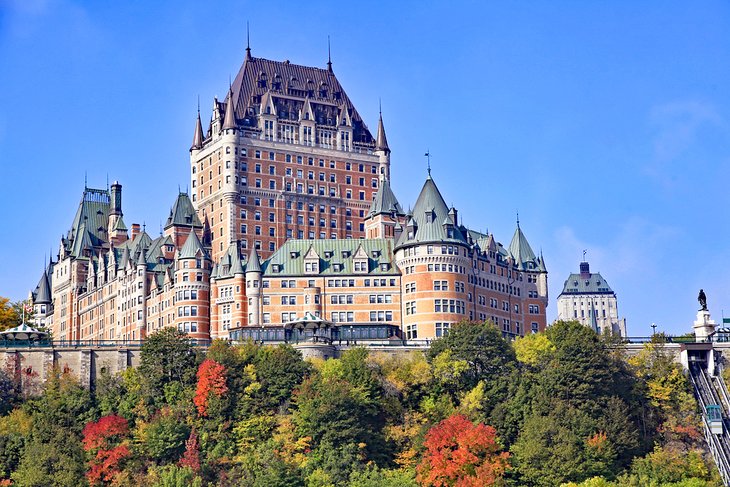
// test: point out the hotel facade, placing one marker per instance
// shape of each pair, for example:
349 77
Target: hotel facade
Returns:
290 231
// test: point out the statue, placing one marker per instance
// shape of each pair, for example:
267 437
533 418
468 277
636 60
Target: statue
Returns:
703 300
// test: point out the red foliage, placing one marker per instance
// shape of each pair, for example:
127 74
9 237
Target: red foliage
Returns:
107 464
104 436
191 457
461 454
98 434
211 380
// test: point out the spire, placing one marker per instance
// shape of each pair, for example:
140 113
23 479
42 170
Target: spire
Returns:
381 141
248 44
253 264
229 122
198 136
329 55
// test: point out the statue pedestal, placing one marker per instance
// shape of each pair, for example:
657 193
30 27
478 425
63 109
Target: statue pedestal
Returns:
703 326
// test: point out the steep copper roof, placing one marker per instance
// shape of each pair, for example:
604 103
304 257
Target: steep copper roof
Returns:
290 85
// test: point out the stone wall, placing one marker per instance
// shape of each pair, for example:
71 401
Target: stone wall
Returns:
31 367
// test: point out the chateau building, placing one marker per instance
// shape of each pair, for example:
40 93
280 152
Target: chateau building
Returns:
291 231
588 298
285 155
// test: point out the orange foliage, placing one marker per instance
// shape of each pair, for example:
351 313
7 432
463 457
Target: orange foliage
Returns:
597 441
105 465
461 454
211 379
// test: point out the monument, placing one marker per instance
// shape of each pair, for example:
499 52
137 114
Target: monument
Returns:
704 326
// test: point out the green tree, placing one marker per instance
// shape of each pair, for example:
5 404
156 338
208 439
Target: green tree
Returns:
173 476
163 439
486 355
167 356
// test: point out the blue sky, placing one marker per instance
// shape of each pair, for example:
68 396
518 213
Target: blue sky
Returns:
605 124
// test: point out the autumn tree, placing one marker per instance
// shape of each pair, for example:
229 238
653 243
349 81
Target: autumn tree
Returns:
462 454
11 313
104 442
211 385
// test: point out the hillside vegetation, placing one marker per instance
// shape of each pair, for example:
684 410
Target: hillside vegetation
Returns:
563 407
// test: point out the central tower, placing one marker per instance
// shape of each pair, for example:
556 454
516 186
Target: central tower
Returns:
285 155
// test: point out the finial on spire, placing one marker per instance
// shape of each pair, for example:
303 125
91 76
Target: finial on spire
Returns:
144 226
428 157
329 55
198 104
248 43
584 255
518 218
86 186
380 107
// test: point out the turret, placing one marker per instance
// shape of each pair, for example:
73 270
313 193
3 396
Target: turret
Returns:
253 288
382 150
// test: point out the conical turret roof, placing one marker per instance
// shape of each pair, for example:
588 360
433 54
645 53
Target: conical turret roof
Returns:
43 293
520 249
430 221
253 264
229 121
381 142
198 135
385 201
192 247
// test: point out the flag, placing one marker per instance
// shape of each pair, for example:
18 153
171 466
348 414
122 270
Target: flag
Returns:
28 307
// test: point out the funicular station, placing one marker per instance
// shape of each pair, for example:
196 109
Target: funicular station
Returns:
704 361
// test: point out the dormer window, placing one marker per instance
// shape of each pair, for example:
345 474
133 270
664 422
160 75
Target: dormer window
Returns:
376 254
276 267
361 266
345 254
337 267
384 266
311 266
293 254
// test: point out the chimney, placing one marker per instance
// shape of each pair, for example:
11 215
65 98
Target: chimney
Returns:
116 198
585 272
135 230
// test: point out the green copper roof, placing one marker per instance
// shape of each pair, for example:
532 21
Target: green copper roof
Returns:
253 264
593 283
336 257
430 221
230 263
93 214
192 247
520 249
183 213
120 226
385 201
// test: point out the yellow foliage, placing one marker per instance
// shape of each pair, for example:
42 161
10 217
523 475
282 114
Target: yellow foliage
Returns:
404 435
17 422
471 402
404 371
448 370
530 349
292 449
